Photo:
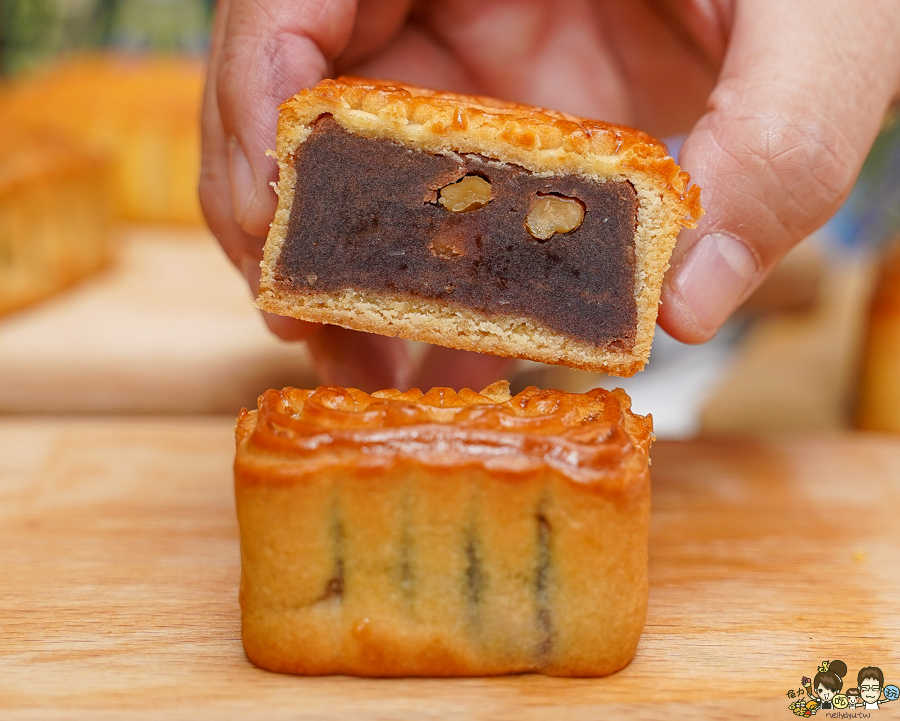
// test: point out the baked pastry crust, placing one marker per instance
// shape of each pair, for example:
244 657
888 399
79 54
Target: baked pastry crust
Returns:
140 112
541 141
444 534
878 401
54 217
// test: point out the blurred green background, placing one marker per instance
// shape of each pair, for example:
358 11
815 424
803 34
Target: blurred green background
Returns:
33 32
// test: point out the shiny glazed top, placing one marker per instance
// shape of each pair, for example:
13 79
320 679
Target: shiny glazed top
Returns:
585 436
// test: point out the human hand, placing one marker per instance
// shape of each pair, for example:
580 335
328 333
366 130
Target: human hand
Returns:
784 99
262 53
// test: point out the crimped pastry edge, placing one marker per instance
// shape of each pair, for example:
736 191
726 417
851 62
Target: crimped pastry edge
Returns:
441 404
614 409
541 141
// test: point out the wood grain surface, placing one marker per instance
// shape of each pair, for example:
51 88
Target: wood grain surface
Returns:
168 328
119 571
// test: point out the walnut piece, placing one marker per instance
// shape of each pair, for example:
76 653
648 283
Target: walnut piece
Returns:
550 214
447 246
468 193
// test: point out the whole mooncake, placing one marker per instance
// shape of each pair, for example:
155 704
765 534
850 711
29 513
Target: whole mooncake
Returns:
442 534
472 223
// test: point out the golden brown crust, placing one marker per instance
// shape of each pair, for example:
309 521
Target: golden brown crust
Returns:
469 123
443 533
139 112
539 140
588 436
53 215
431 321
878 400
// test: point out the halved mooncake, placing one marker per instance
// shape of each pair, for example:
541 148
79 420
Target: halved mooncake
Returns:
472 223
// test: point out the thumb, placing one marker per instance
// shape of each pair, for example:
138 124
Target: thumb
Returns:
802 93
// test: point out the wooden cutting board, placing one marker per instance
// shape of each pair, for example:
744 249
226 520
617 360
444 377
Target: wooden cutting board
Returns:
119 572
169 328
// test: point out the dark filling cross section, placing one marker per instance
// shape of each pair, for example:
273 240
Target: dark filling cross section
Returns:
366 216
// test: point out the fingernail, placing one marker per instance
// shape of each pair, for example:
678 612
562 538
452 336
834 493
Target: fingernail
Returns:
713 278
243 185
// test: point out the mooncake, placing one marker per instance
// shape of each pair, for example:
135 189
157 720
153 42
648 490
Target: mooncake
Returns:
442 534
472 223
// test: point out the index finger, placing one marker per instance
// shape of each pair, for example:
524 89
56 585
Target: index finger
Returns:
272 50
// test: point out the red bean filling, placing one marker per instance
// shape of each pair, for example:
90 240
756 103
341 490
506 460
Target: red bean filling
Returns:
365 216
